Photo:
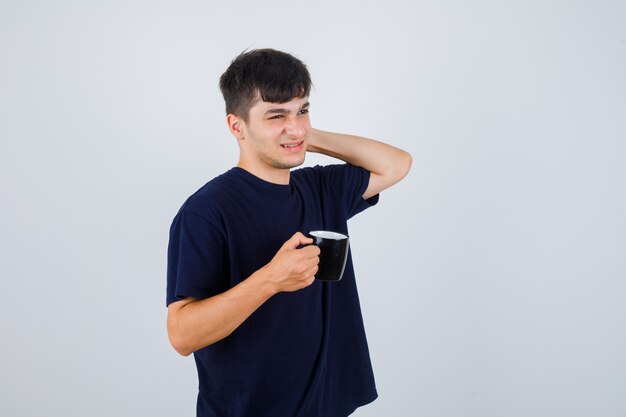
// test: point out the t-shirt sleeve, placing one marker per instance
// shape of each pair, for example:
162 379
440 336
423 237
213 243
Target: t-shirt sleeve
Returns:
348 183
196 258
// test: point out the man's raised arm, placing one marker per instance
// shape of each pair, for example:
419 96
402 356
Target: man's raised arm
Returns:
387 165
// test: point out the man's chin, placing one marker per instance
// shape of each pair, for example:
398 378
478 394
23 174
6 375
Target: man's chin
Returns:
299 163
290 164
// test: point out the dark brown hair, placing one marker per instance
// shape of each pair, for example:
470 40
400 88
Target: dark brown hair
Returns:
268 74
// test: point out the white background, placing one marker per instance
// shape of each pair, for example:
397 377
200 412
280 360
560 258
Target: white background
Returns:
492 279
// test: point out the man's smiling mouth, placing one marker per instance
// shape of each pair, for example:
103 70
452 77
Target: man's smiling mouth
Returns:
292 145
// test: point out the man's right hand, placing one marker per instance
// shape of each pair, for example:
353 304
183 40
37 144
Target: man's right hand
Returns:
292 269
193 324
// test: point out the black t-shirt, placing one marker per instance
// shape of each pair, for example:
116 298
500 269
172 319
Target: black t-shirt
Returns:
302 353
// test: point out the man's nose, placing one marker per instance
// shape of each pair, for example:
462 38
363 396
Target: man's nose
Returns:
295 128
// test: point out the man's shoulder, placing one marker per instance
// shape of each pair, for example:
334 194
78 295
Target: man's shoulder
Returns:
212 196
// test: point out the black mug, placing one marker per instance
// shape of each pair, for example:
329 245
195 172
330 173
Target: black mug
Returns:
333 254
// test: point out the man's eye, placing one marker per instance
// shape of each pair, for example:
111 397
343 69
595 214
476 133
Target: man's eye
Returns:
304 111
278 116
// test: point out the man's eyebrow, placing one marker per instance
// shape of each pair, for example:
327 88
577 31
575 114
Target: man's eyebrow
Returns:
283 111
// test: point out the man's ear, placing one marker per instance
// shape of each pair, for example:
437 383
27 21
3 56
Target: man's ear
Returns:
235 125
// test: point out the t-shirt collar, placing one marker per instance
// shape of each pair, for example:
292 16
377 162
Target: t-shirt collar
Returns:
278 190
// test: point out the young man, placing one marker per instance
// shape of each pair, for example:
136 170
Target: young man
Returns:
269 340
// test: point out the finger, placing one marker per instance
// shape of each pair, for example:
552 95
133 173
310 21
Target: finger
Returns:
311 251
310 279
302 239
311 267
310 271
313 260
292 243
297 240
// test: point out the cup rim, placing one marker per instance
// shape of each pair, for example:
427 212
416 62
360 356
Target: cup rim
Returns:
327 234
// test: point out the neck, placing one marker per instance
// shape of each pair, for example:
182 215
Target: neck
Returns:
274 175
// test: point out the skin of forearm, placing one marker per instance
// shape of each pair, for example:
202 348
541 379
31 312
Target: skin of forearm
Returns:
376 157
201 323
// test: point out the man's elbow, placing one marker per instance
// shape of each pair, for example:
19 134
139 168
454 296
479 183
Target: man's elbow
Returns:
179 344
177 338
401 166
180 348
406 162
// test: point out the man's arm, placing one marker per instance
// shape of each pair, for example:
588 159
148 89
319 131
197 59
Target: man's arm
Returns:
193 324
387 165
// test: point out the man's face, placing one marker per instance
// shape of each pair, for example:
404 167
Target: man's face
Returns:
275 133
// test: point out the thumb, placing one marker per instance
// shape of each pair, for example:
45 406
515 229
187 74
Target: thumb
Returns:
295 241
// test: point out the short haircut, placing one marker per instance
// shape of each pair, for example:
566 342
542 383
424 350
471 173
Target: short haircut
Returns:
268 74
